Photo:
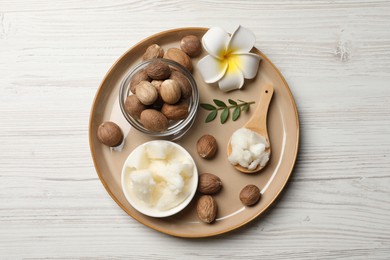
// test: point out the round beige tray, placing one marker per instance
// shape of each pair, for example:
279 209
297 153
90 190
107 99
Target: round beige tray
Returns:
283 128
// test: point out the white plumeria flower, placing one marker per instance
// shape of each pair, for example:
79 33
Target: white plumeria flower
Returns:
229 61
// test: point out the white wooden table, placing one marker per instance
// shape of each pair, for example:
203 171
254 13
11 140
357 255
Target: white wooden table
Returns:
335 55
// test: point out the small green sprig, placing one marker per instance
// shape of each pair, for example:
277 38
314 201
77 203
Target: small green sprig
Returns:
220 105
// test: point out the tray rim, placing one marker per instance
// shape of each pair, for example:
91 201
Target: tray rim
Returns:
167 231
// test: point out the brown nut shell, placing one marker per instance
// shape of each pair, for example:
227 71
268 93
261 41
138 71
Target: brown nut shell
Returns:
250 195
137 78
152 52
185 85
110 134
191 45
157 84
207 209
177 111
209 183
158 69
207 146
180 57
133 106
146 93
170 91
154 120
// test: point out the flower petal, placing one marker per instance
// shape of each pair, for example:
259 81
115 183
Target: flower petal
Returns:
211 69
233 79
215 42
242 40
248 63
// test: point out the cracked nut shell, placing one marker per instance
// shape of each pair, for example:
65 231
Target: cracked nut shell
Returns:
250 195
207 209
154 120
207 146
158 69
137 78
177 111
157 84
110 134
152 52
170 91
146 93
185 85
180 57
209 183
133 106
191 45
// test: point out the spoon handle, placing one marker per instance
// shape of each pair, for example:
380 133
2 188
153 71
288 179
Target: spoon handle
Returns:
258 121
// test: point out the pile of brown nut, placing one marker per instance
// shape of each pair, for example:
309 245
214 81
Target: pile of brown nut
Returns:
210 184
160 93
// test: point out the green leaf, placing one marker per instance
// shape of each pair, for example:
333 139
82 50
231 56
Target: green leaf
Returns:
211 116
236 113
237 107
232 102
207 106
245 107
224 115
219 103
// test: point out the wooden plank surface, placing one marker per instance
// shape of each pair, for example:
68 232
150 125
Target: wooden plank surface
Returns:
335 55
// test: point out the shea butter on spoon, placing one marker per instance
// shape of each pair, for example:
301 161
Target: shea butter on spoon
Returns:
249 150
249 147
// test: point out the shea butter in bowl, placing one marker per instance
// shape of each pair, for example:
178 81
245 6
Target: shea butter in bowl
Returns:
159 178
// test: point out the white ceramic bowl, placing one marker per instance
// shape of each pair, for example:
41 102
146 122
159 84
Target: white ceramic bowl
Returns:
137 203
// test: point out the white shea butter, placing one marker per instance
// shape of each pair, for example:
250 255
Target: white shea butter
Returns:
143 183
249 149
159 175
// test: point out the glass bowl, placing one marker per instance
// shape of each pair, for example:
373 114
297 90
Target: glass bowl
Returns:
176 128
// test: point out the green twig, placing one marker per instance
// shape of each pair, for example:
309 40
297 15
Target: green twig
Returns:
220 105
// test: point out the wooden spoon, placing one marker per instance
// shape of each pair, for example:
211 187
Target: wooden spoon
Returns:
258 124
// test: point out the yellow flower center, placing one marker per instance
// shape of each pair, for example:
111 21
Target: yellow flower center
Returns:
231 60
